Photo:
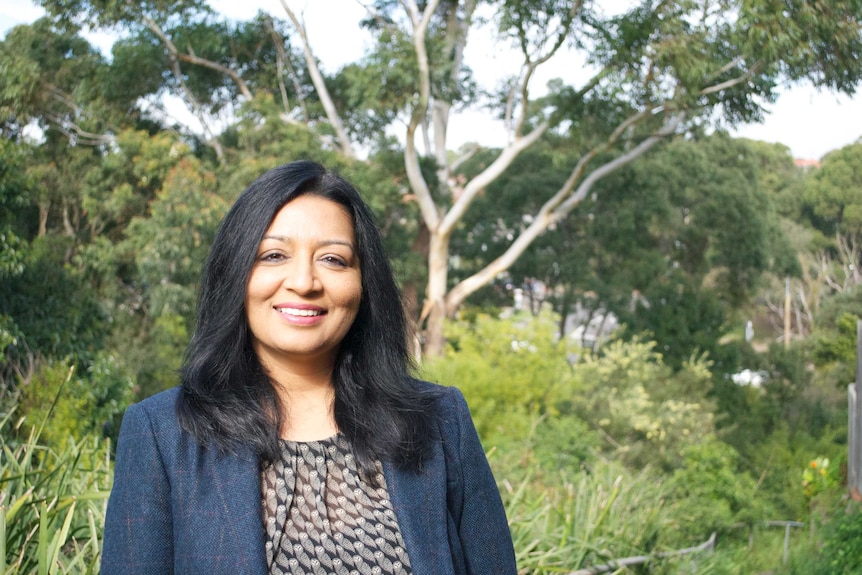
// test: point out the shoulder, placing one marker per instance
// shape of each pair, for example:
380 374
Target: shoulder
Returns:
448 409
154 418
162 401
444 399
161 407
442 395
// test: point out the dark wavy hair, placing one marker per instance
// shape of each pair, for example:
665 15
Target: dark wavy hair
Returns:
228 399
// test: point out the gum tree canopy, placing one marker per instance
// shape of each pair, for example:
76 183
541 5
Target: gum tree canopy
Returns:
654 70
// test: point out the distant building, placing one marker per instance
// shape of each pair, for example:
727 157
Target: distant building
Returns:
806 164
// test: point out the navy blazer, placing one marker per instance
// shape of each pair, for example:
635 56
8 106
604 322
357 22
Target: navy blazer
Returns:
180 507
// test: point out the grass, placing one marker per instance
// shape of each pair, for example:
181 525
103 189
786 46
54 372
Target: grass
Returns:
52 502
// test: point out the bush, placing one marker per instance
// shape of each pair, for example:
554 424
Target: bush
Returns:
513 372
840 551
79 405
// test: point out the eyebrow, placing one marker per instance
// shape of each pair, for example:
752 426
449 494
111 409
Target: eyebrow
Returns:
320 244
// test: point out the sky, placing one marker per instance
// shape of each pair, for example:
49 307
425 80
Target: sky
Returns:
809 122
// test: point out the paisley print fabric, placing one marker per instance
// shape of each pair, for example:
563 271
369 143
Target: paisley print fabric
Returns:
321 518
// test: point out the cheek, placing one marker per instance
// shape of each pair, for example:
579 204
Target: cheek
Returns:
355 295
260 286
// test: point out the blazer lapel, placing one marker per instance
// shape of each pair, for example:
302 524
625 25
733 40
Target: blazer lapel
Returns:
419 502
236 478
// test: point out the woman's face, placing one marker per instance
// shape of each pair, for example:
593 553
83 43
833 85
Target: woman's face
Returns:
305 286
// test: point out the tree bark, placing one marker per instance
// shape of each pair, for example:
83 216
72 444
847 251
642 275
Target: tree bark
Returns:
435 297
44 208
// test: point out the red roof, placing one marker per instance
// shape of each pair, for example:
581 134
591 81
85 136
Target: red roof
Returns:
802 163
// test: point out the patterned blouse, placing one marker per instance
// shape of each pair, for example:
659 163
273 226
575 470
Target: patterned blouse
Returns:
321 518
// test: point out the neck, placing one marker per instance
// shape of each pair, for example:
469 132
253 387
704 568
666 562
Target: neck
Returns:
306 399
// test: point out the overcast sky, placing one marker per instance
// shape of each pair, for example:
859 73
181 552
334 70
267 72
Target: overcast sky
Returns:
809 122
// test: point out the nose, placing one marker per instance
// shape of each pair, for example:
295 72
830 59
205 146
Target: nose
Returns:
301 277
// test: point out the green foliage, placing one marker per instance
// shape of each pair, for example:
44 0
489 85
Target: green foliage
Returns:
588 519
839 548
52 501
171 244
778 176
123 183
15 189
375 90
834 192
509 370
111 13
682 318
647 412
50 321
842 546
834 343
711 493
55 78
670 244
77 405
158 361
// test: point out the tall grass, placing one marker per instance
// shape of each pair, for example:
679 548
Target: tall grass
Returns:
589 519
52 501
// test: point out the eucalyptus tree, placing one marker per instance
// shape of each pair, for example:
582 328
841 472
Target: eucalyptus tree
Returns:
184 49
651 71
692 247
54 79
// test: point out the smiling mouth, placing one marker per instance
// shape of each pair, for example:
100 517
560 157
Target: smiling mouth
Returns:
300 312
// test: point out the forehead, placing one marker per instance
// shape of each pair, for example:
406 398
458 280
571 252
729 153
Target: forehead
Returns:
313 216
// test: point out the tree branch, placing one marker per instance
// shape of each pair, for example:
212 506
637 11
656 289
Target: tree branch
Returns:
667 130
531 65
195 106
553 211
488 175
469 153
580 167
193 59
727 84
77 134
278 42
320 86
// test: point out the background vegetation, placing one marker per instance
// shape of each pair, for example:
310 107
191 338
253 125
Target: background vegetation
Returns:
679 423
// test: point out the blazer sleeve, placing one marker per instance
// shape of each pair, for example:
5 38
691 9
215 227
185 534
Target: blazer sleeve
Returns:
474 500
138 537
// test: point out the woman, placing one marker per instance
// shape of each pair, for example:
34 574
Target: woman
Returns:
297 442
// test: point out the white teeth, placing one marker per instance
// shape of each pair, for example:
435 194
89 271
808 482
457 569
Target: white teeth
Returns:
299 312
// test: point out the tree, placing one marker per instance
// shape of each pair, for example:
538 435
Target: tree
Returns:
656 70
181 47
833 194
675 262
55 79
656 67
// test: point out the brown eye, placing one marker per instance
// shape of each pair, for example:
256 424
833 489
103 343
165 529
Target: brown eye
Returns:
271 257
334 261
